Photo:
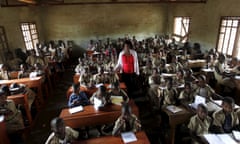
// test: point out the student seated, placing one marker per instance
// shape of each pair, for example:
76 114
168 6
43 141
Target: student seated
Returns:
13 117
204 89
117 91
200 123
86 78
22 89
4 73
101 77
154 81
80 67
61 134
24 72
126 122
187 96
100 97
169 95
77 97
225 120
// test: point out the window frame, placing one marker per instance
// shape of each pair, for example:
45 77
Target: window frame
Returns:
4 43
187 35
234 51
31 33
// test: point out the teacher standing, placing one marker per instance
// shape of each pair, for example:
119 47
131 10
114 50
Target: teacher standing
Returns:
128 66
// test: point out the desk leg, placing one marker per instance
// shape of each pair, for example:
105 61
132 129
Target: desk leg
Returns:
172 134
3 134
39 100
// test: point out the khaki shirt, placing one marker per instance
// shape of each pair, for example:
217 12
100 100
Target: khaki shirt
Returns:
189 98
169 96
4 75
219 117
120 125
207 88
101 78
198 126
14 120
70 135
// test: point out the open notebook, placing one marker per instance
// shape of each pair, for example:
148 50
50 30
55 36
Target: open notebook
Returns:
76 109
198 100
116 100
173 108
219 139
128 137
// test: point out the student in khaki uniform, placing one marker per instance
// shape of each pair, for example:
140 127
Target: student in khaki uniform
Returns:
86 78
100 95
126 122
225 120
13 117
4 74
169 95
101 77
187 96
61 134
154 81
117 91
204 89
200 123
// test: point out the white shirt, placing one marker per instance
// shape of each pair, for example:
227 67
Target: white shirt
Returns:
135 58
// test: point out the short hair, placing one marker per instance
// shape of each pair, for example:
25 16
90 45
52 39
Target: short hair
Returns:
188 84
55 122
5 89
129 43
228 100
202 77
203 107
102 88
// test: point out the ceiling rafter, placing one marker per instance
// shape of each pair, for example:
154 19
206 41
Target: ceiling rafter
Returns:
15 3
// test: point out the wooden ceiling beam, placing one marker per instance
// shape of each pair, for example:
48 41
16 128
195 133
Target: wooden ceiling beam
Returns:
64 2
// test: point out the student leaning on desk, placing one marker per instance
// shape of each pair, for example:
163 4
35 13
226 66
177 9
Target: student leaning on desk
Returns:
61 134
77 97
199 124
126 122
225 120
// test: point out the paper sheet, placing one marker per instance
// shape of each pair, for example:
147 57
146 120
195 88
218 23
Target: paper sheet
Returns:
76 109
236 135
219 139
198 100
173 109
116 100
128 137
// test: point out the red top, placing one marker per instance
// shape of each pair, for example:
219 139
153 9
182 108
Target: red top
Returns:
128 63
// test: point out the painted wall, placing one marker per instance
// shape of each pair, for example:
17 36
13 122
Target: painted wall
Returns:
205 19
11 18
83 22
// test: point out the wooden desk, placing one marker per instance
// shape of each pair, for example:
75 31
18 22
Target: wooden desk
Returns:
176 119
31 83
90 116
3 133
90 91
199 63
141 139
22 99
